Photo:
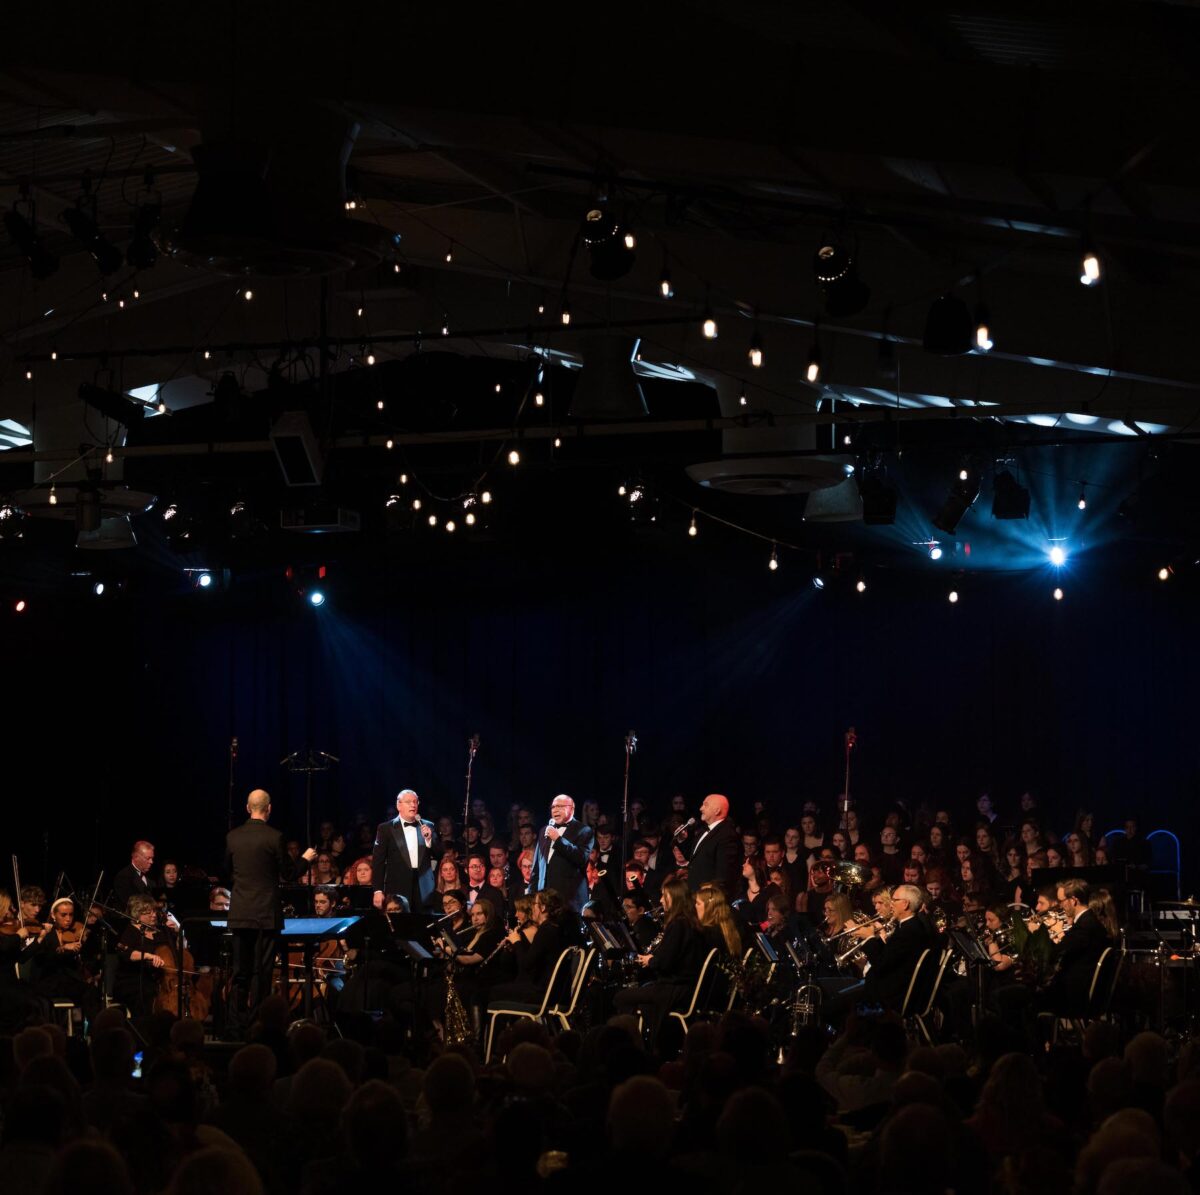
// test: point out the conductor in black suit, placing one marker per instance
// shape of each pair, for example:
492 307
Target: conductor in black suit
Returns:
716 855
560 856
256 862
402 863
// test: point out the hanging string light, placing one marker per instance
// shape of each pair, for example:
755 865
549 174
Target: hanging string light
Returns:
693 530
773 563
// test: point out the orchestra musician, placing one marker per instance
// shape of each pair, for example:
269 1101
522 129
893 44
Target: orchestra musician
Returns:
136 982
643 929
134 879
536 955
560 855
17 1001
890 964
1073 962
57 961
674 964
718 926
402 860
256 861
714 853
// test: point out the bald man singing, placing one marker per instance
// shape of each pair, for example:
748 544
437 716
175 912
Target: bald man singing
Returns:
255 861
715 855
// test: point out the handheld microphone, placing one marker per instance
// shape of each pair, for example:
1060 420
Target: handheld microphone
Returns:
691 821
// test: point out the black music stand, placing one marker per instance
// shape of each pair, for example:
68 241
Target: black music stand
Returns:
978 959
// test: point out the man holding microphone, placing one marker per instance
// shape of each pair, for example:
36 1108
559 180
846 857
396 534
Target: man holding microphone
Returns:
560 856
405 855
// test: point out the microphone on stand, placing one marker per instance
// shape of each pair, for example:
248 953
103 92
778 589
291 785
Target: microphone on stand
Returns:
233 747
682 831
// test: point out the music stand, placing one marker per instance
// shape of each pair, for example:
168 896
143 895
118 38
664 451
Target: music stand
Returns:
976 957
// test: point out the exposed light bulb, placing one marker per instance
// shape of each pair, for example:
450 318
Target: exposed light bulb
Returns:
664 286
541 309
29 375
485 497
935 551
162 407
53 499
416 504
709 328
630 241
497 387
389 445
557 441
1082 503
963 475
1091 268
450 255
861 585
514 457
469 518
813 371
248 295
743 401
451 526
1164 573
207 355
983 337
952 596
445 329
121 304
693 530
756 352
1058 594
359 312
54 354
565 314
403 479
108 457
773 563
539 399
433 520
621 491
137 294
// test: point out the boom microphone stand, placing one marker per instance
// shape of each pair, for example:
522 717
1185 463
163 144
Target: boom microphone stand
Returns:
630 748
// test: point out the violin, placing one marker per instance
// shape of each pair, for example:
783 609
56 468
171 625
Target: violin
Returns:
71 940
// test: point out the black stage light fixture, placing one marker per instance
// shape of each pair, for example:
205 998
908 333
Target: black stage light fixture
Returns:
143 252
1010 499
960 499
949 329
842 291
878 499
25 236
83 227
610 246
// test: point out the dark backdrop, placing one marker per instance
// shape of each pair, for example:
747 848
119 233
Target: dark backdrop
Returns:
736 679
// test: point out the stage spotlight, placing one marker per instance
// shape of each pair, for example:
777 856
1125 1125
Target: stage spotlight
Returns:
316 598
1164 573
935 551
818 581
860 585
1058 594
1058 556
842 291
949 331
204 581
83 227
952 597
1091 271
1010 500
1082 503
98 589
25 236
20 606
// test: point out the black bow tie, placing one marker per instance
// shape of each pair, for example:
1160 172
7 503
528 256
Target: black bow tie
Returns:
414 825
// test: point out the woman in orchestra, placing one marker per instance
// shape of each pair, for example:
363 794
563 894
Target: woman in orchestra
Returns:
838 912
718 926
449 877
780 925
136 982
1104 907
536 953
1078 850
473 947
57 970
754 889
17 1001
674 965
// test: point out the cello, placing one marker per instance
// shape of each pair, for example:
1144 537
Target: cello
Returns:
183 989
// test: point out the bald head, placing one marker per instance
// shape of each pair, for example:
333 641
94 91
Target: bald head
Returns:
714 808
258 804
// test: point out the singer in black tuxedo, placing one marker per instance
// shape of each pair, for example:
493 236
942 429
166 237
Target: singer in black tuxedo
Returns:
256 862
394 870
560 856
714 852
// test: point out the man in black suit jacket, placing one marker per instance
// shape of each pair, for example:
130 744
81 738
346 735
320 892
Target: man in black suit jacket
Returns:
560 857
1074 959
892 962
255 861
135 879
716 855
405 853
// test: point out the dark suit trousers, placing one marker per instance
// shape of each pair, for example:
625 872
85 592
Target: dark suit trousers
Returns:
254 953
